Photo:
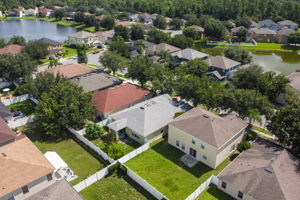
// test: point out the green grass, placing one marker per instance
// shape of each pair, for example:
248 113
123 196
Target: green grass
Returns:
298 30
115 188
122 76
261 129
213 193
160 166
26 107
78 159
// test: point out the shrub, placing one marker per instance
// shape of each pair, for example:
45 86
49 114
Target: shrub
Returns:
251 135
115 151
243 146
93 131
114 168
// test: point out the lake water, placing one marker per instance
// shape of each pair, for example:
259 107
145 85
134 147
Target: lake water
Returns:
35 29
285 62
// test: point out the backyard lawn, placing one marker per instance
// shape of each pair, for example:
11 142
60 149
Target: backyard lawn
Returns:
115 188
160 166
26 107
213 193
78 159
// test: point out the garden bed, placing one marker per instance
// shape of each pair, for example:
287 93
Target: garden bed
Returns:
27 107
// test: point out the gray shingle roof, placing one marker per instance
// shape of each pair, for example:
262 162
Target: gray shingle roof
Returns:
189 54
4 111
287 22
148 116
221 62
50 42
162 47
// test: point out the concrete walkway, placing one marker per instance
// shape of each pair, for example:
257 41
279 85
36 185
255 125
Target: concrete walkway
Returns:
263 134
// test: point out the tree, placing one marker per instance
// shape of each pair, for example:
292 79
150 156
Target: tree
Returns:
123 16
247 78
141 46
176 23
121 31
214 29
159 22
2 42
79 17
242 34
157 36
194 67
119 46
294 38
93 131
108 22
81 55
254 115
112 61
244 145
64 105
181 41
116 150
53 63
59 13
162 79
139 69
191 33
17 40
137 32
165 57
90 20
244 21
36 49
238 54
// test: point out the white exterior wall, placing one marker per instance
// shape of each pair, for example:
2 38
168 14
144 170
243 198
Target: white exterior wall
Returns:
233 191
77 41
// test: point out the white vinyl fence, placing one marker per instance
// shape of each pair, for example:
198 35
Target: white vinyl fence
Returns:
20 122
145 185
91 145
134 153
14 100
202 187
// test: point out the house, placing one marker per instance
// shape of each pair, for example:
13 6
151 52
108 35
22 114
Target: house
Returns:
71 70
294 82
173 32
53 46
134 17
199 29
146 18
6 135
24 170
146 27
254 24
207 137
188 54
17 12
263 172
123 23
46 12
11 49
5 112
82 37
57 191
268 24
282 35
31 12
220 67
289 24
155 49
135 50
167 19
100 17
93 82
117 98
263 35
105 37
145 121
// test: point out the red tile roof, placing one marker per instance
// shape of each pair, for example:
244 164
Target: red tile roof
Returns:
116 97
5 132
11 49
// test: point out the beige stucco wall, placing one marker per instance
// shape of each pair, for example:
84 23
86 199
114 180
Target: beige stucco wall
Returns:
233 191
150 138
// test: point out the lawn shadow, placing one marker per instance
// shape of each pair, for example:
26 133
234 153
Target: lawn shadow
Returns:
290 47
173 154
218 194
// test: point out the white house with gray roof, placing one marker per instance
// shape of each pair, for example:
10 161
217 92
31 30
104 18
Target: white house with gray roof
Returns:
189 54
145 121
82 37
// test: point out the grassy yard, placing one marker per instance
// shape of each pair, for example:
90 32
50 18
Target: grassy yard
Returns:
26 107
115 188
261 129
160 166
213 193
78 159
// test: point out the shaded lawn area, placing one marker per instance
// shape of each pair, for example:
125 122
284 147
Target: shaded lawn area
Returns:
115 188
26 107
160 166
261 129
78 159
214 193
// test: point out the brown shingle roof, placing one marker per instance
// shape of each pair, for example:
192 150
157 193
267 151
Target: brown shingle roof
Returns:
69 70
285 31
5 132
118 96
295 81
21 163
82 35
11 49
162 47
209 127
221 62
197 28
265 172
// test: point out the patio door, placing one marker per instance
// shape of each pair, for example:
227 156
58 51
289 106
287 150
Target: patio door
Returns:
193 152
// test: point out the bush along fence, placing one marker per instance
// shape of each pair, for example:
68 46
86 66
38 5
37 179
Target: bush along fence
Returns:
134 153
102 123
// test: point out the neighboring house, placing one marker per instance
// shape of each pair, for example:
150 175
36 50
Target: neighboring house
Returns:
145 121
199 29
11 49
115 99
263 35
269 24
53 46
289 24
105 37
100 17
282 35
17 12
207 137
82 37
57 191
6 136
45 11
167 19
146 27
23 170
263 172
254 24
155 49
93 82
134 17
173 32
188 54
5 113
220 67
31 12
294 81
123 23
146 18
71 70
135 50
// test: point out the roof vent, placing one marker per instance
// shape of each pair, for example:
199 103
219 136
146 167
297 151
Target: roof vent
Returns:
269 170
205 115
142 108
4 154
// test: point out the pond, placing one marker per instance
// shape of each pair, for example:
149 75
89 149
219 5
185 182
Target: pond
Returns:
285 62
35 29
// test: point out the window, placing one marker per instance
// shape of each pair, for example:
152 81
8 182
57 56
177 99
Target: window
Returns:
223 185
177 143
11 197
240 195
202 146
204 157
232 148
193 152
25 189
49 177
182 146
193 140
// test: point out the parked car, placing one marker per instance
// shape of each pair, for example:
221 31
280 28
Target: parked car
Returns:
75 57
97 51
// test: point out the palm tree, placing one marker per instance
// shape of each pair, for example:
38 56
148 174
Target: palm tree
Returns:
165 56
254 115
53 63
140 45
